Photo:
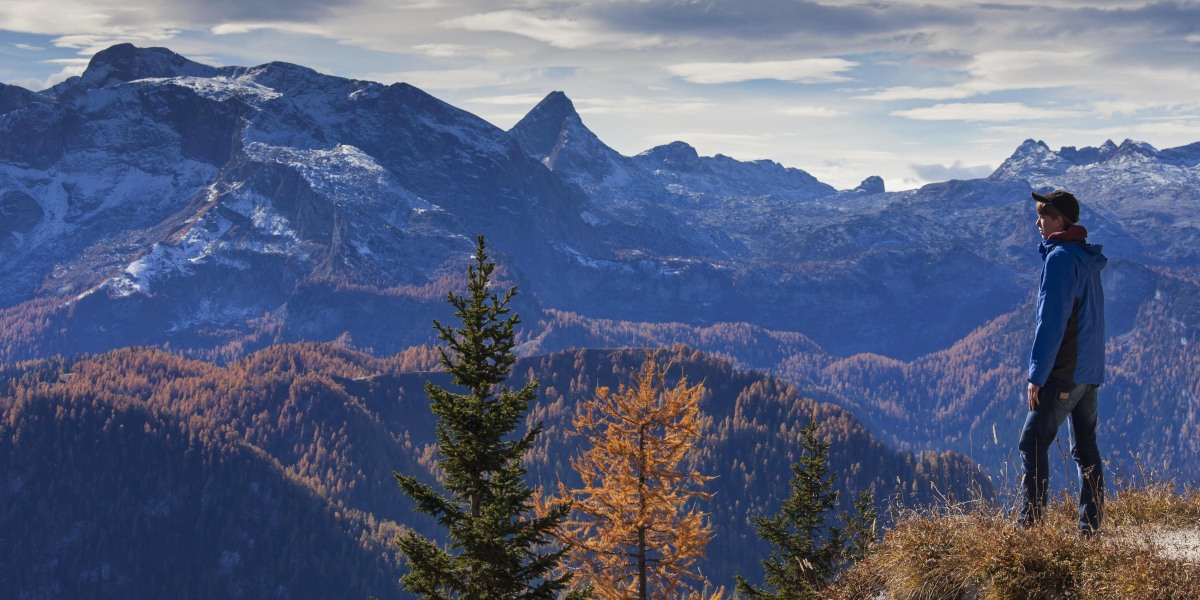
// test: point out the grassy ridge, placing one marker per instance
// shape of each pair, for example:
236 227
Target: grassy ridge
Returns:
1150 549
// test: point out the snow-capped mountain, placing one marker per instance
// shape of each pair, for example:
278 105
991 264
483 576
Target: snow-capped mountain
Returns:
201 199
154 199
554 133
1142 198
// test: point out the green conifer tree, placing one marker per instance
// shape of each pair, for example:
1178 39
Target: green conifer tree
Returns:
860 529
499 549
807 554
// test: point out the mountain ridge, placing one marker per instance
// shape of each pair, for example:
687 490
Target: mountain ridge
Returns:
280 174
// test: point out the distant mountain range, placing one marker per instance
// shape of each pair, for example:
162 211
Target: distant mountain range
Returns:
218 211
159 200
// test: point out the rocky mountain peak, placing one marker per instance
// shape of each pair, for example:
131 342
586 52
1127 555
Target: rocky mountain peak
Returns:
1184 156
1134 148
870 185
13 98
554 134
293 79
126 62
556 105
675 154
1032 148
1032 160
1088 155
539 132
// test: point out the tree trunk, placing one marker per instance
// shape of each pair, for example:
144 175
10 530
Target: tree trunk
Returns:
642 563
641 547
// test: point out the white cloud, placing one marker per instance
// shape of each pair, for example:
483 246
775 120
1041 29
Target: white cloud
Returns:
560 33
90 44
77 62
695 138
441 50
29 83
1030 69
26 47
55 18
809 70
914 93
70 67
1186 127
633 105
1002 70
454 79
1161 133
811 111
955 170
243 28
509 100
501 120
1109 109
985 111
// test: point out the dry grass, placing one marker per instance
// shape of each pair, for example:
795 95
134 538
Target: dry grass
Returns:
972 551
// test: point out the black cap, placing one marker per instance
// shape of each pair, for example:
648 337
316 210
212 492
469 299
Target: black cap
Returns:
1063 200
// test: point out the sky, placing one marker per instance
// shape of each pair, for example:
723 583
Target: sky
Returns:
912 91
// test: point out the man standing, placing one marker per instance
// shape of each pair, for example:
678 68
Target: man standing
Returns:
1066 366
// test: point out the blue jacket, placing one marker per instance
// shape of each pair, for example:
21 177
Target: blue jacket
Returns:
1069 341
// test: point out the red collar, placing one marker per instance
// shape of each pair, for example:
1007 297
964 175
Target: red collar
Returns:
1074 233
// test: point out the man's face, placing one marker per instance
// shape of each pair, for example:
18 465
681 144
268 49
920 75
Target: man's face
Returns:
1049 226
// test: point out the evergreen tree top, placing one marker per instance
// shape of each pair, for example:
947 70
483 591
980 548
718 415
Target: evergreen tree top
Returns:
498 545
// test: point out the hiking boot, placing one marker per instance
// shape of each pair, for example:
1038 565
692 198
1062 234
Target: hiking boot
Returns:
1023 524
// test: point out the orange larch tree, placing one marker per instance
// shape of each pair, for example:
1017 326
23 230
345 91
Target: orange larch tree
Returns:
635 530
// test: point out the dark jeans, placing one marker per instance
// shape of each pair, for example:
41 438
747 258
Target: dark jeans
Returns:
1056 401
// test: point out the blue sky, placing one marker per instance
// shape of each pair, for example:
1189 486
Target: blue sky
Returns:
913 91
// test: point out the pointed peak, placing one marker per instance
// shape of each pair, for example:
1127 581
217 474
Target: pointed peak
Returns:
126 62
557 97
556 106
539 131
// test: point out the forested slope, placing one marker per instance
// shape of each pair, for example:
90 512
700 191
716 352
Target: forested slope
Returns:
273 473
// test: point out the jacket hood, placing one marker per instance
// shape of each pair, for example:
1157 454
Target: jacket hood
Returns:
1091 255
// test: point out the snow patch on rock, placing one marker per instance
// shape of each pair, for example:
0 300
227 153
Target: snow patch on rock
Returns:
220 88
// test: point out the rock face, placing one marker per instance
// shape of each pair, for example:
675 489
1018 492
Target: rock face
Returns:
155 199
554 134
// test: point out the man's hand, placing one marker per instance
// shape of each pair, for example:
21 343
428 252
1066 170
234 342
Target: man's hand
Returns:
1033 395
